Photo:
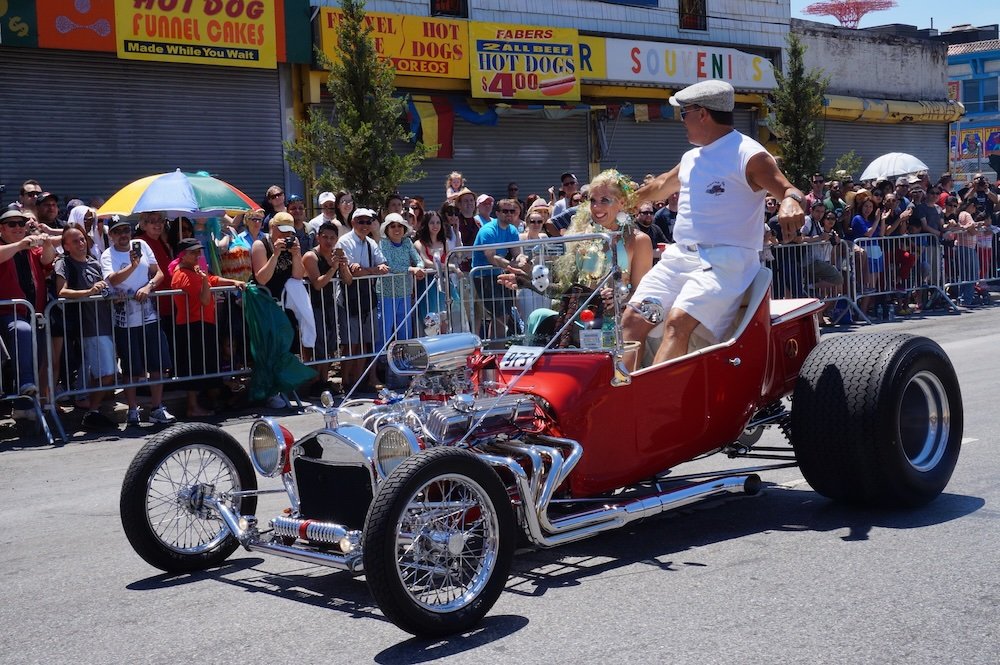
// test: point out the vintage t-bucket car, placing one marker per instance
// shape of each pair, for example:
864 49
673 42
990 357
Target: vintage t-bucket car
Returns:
497 442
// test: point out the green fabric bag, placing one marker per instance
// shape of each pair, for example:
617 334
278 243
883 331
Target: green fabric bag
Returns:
275 368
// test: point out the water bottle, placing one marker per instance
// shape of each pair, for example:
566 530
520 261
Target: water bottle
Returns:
608 331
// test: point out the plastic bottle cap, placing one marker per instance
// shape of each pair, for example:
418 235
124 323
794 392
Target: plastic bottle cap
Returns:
586 316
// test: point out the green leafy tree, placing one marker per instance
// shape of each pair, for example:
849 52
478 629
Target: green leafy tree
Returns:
847 164
796 106
355 149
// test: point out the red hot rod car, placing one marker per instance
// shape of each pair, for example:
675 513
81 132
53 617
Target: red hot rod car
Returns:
533 438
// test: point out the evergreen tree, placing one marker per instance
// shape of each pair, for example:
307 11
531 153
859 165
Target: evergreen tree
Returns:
796 107
355 150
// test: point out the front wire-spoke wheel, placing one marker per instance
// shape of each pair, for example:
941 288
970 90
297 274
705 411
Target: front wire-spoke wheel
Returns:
163 507
439 540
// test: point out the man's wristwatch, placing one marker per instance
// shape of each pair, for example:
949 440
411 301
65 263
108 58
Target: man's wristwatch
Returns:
795 196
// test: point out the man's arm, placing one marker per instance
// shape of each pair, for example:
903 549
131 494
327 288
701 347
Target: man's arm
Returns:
763 173
661 187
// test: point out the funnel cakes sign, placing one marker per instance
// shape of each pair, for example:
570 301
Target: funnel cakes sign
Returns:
236 33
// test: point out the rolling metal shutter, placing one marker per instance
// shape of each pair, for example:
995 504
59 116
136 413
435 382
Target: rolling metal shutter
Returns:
531 151
929 143
638 148
85 124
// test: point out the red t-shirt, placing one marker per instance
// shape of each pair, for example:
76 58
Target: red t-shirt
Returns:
188 307
10 287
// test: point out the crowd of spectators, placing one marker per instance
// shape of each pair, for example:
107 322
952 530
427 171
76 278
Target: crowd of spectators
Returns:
348 277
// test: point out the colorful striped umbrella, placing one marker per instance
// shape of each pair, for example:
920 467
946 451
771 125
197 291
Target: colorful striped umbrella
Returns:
178 193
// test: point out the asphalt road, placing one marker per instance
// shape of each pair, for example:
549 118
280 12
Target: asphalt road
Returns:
786 577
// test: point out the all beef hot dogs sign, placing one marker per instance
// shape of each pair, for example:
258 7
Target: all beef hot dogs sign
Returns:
524 62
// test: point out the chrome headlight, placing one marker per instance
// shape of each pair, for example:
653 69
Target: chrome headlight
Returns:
393 444
267 447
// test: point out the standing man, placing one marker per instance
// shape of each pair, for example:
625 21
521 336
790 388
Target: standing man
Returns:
47 213
569 182
484 210
512 193
503 229
816 193
327 212
644 218
26 200
722 183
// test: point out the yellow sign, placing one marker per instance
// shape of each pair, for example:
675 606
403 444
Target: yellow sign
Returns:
236 33
416 45
593 57
524 62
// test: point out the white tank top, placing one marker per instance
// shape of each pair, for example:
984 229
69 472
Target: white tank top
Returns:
716 204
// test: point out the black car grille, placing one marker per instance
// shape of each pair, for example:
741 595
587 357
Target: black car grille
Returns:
339 494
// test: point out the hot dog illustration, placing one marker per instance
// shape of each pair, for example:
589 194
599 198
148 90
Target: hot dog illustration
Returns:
557 86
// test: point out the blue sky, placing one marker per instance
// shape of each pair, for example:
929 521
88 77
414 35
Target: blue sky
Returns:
919 13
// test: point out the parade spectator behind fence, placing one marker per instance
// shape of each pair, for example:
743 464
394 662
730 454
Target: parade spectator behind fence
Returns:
140 341
78 276
488 264
665 217
484 209
644 222
277 265
569 185
821 240
326 268
865 225
26 197
966 261
513 192
152 231
274 202
345 208
365 259
194 315
47 213
86 218
449 220
253 227
23 262
297 209
817 192
396 289
453 185
327 212
416 216
980 192
433 241
985 232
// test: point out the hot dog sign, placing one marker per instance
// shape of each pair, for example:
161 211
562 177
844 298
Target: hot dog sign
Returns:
524 62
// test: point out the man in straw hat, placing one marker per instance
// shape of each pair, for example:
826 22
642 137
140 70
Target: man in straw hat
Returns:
722 184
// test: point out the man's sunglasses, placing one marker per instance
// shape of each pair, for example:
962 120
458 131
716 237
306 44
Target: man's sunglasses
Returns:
12 223
274 196
363 222
30 193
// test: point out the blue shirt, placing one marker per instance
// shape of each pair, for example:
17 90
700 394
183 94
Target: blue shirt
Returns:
491 234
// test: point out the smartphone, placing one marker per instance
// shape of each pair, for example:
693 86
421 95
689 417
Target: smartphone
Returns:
136 248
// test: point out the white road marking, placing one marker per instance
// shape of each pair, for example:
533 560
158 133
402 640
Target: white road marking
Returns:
968 439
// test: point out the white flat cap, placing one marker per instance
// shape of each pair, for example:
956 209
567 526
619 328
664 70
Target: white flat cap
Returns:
714 95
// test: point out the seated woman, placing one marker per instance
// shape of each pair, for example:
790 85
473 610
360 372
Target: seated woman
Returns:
583 265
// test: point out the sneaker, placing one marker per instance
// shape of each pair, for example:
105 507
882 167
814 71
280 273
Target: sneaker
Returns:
133 417
95 420
277 402
161 415
28 390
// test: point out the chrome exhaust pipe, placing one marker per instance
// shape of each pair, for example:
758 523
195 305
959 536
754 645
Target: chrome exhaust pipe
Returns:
591 522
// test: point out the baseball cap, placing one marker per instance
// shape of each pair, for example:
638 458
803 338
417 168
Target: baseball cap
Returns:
327 197
188 244
363 212
713 95
120 221
901 181
483 198
45 196
284 222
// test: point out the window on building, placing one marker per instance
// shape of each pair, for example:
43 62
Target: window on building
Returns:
970 96
990 94
454 8
692 15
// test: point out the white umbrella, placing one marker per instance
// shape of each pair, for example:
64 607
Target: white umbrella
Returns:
893 164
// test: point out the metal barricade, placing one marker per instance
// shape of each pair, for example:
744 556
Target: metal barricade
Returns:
105 343
818 269
20 366
904 270
971 264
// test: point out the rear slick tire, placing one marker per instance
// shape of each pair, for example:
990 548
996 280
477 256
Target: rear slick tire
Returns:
877 419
